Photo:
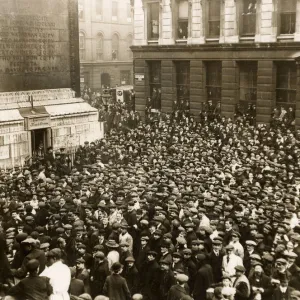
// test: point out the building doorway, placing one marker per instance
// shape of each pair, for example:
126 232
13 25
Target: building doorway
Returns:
39 142
105 80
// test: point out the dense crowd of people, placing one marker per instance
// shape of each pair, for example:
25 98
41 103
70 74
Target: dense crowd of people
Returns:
167 209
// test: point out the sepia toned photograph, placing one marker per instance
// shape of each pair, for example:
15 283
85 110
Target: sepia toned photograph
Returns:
149 150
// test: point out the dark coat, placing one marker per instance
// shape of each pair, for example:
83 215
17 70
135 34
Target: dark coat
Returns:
32 288
99 272
76 287
190 268
149 277
176 292
166 281
203 280
115 287
264 282
141 258
277 295
132 278
216 264
33 254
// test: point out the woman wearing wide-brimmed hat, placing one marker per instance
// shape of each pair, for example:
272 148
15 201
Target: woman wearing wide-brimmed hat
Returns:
113 255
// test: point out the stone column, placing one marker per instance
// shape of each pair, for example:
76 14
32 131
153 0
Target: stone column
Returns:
267 19
229 26
167 23
140 67
229 88
197 32
139 24
197 86
265 91
167 85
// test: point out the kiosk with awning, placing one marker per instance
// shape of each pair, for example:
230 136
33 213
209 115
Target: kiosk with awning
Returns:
32 121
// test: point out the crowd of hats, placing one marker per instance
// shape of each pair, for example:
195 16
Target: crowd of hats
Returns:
176 175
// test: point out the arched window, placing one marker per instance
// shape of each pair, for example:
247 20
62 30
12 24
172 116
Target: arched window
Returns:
129 44
82 45
115 47
99 47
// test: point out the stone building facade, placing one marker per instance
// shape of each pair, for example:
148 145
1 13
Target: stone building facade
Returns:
105 38
232 52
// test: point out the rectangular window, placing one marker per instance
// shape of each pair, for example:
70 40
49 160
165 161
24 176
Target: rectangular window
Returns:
286 83
183 85
214 16
214 82
114 10
155 84
248 84
183 19
125 77
287 16
248 21
153 21
99 6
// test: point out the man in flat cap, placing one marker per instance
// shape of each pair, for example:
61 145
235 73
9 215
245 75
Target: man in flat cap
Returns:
33 286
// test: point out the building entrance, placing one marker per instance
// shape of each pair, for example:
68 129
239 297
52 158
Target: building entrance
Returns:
39 142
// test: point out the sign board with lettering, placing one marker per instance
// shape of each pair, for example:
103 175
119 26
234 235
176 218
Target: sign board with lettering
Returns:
38 122
139 79
37 50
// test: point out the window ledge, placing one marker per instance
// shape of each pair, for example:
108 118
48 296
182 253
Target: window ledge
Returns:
285 37
153 42
181 41
247 38
212 39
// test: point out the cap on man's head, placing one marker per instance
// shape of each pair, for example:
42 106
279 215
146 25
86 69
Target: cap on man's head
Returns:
32 265
54 253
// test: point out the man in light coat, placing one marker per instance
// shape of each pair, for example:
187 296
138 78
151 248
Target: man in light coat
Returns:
59 275
230 261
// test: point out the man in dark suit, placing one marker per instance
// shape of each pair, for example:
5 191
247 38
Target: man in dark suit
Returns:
204 278
141 258
216 259
115 286
150 277
283 291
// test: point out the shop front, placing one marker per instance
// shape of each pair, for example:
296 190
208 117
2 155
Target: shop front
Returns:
53 118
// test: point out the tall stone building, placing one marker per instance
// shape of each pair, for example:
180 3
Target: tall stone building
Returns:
105 38
232 52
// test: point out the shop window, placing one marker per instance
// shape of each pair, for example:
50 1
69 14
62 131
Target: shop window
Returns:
155 84
287 16
214 82
286 81
248 83
214 17
82 45
183 84
248 20
99 47
153 21
129 13
99 7
81 9
129 44
114 10
125 77
183 19
115 47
